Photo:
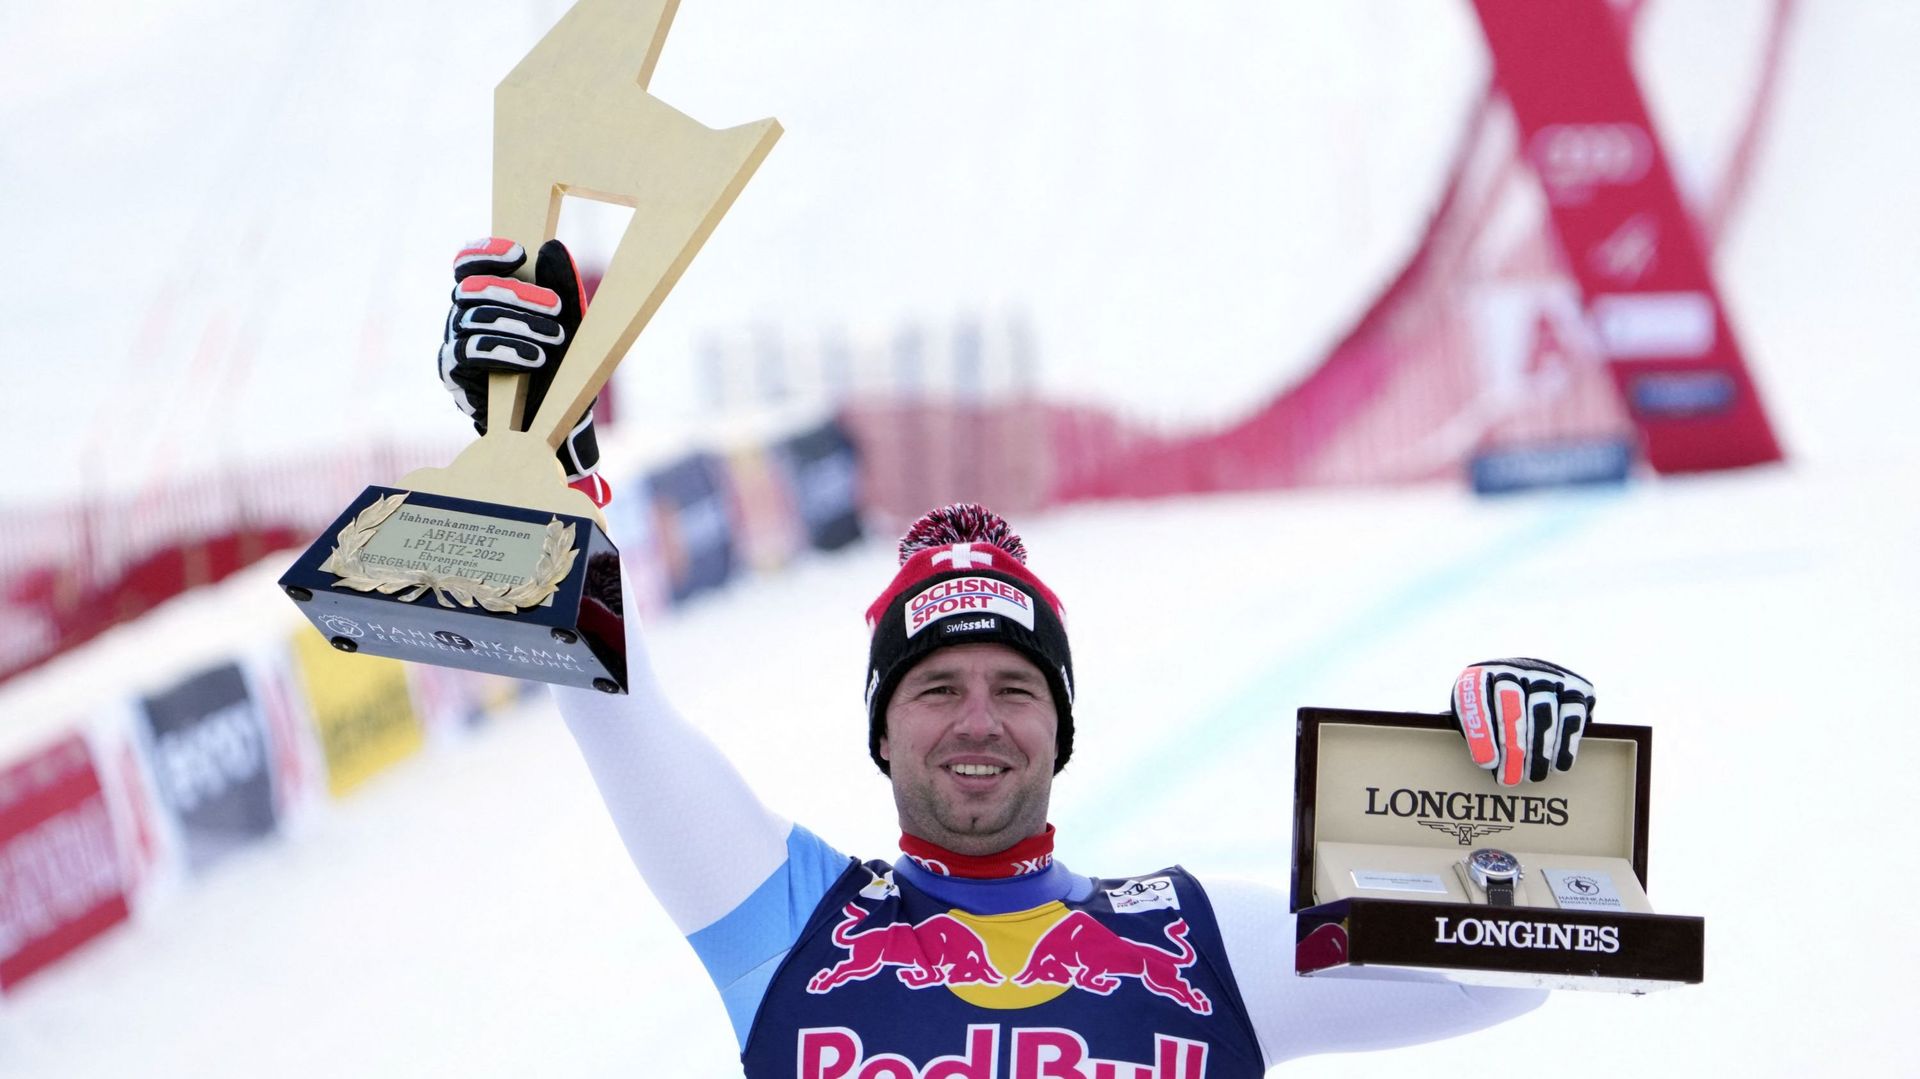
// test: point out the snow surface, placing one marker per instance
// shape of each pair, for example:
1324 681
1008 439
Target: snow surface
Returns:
472 913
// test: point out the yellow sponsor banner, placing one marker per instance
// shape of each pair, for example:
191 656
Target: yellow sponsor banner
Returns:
769 532
361 710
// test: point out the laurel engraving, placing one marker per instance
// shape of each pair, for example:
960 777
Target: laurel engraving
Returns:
557 555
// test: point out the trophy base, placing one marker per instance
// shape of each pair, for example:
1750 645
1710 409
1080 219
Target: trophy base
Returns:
575 637
1477 944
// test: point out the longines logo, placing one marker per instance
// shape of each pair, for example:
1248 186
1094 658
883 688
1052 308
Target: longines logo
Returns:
1551 936
1467 815
1465 831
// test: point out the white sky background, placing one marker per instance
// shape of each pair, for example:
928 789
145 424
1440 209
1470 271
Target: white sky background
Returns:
244 210
472 913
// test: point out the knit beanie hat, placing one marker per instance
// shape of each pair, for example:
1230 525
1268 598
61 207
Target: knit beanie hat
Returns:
964 580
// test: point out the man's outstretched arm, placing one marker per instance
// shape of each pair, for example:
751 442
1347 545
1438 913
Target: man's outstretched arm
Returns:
1296 1017
1523 720
738 879
701 838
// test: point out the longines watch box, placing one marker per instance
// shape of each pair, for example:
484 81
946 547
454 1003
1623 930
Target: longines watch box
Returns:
1411 863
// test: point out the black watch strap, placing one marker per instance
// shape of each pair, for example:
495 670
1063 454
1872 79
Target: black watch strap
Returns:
1499 893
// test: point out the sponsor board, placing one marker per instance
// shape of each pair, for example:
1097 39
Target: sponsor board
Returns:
632 525
692 525
361 709
1560 464
296 764
1675 394
151 861
60 880
825 478
208 750
770 529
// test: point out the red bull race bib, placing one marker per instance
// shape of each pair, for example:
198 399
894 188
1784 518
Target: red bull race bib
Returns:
1128 982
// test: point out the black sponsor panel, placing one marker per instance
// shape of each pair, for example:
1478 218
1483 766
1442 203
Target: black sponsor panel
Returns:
210 756
695 532
1461 937
824 467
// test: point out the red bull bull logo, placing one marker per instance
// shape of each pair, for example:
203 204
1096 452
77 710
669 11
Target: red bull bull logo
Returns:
1034 1053
941 950
1081 952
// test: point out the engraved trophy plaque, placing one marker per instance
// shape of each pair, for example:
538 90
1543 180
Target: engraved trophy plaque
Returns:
1410 862
493 563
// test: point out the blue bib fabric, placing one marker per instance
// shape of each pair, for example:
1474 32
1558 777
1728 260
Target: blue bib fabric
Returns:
899 974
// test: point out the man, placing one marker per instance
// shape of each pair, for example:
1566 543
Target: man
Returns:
978 954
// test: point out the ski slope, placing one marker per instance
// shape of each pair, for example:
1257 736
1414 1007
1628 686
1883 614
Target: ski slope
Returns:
472 913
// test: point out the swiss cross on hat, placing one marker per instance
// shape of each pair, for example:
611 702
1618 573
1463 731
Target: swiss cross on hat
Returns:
963 579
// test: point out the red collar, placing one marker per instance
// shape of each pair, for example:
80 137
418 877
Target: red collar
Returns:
1030 855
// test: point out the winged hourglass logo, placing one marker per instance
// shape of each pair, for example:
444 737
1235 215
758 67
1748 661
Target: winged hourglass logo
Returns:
1466 831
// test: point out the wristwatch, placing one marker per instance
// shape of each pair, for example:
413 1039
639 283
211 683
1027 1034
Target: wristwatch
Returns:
1497 872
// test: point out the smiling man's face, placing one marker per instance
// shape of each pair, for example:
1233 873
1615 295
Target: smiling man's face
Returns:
970 746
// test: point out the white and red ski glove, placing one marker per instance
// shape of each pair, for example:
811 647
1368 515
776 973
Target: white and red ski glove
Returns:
1522 717
500 323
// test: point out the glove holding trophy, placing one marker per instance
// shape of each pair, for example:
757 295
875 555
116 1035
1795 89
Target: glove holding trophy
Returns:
499 324
500 562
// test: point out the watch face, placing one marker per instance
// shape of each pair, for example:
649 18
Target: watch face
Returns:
1494 863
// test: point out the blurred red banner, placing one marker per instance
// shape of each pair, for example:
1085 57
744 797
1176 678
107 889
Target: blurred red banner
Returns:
1624 235
59 868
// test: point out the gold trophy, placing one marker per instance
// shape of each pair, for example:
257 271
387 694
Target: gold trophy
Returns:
493 563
